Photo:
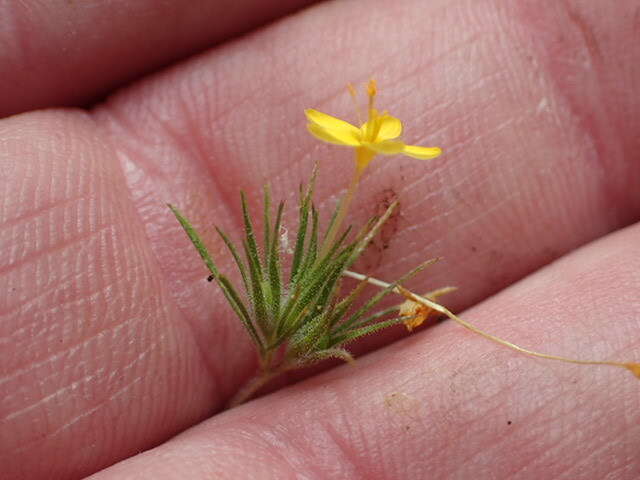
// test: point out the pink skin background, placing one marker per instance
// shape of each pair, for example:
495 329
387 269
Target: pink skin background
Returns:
114 350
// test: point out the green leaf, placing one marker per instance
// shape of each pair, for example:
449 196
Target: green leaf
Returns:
196 240
312 292
250 238
309 335
332 220
315 357
239 308
257 294
236 256
345 304
373 231
267 223
352 335
303 220
312 249
298 252
303 321
225 285
274 267
377 298
370 319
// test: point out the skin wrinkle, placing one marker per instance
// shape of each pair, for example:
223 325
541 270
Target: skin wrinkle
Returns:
340 399
49 289
214 372
275 439
454 147
413 76
269 443
68 350
511 385
86 413
60 247
59 288
542 411
198 154
114 115
592 116
34 214
81 425
345 455
571 470
89 299
588 36
498 442
540 459
78 349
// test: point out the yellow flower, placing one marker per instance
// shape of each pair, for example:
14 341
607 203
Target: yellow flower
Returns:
378 135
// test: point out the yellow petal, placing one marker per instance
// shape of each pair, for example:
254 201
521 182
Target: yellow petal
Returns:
331 123
388 147
389 128
369 129
423 153
332 136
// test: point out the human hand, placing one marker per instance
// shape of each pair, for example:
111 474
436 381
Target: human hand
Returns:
113 342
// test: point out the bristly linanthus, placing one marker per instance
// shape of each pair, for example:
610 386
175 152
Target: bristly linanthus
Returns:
298 317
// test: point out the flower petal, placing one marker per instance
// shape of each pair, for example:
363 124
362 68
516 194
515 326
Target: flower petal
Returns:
388 147
336 137
423 153
329 122
388 128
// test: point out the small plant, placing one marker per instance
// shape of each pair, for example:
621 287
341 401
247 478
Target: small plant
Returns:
292 305
298 317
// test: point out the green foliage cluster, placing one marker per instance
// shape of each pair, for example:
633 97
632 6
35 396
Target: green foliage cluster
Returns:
301 317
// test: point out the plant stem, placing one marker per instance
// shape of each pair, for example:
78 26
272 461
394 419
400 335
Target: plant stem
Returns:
345 203
251 387
633 367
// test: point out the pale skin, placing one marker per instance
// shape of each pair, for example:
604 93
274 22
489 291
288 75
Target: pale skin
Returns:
112 341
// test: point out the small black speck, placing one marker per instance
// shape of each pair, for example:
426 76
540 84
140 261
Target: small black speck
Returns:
210 278
508 422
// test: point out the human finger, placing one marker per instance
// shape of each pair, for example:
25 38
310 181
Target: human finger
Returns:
62 53
448 404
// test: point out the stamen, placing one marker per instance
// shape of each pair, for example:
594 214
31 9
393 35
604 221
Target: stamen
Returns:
354 94
372 90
